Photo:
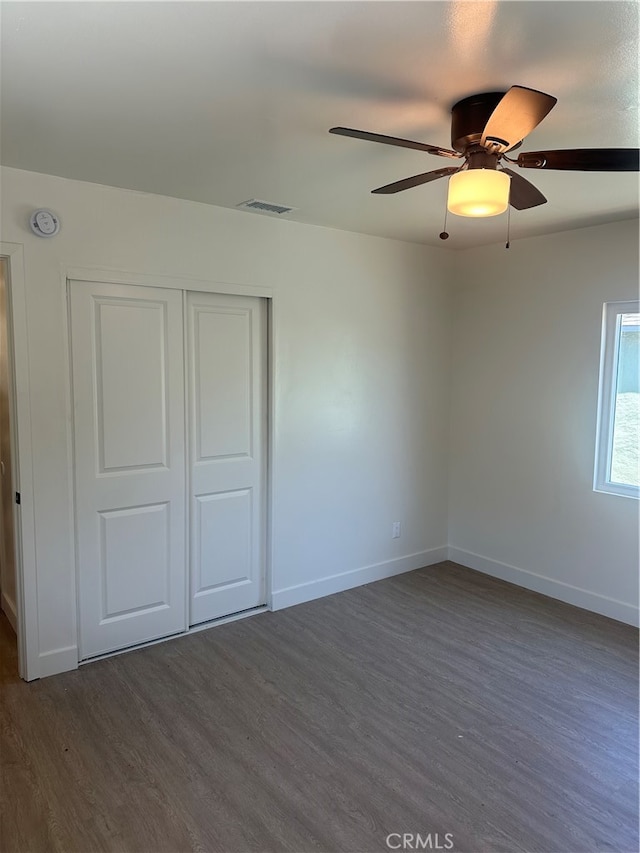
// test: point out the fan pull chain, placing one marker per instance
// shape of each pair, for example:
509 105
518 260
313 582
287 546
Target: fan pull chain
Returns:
443 234
508 245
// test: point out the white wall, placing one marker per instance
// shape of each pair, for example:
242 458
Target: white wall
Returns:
362 393
361 378
526 348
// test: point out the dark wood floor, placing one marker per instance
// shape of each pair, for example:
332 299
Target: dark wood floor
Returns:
439 701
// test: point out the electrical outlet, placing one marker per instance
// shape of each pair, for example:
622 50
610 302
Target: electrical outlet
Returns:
395 530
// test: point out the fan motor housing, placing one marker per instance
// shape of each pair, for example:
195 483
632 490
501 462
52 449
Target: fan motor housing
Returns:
469 117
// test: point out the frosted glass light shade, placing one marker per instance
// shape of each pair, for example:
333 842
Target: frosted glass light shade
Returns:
478 192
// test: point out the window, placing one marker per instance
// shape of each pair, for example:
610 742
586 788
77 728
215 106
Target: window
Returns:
617 447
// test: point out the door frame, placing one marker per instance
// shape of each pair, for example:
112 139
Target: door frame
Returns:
103 275
22 463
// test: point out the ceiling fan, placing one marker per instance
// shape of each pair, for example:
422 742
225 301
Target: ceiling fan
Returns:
485 128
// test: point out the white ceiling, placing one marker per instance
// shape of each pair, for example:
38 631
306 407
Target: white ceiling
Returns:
223 102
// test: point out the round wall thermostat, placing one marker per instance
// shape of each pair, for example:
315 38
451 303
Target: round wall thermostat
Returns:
44 223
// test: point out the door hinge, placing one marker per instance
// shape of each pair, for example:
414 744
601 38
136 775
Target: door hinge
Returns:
17 497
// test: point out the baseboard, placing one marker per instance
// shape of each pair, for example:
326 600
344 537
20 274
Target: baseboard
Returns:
356 577
575 595
59 660
9 608
65 659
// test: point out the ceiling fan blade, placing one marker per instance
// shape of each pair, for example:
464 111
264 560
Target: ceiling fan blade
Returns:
583 159
517 114
522 194
394 140
415 181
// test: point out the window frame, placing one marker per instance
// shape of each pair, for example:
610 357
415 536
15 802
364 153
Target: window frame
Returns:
609 354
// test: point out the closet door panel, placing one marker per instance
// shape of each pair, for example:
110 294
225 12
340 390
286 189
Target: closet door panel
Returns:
130 470
227 411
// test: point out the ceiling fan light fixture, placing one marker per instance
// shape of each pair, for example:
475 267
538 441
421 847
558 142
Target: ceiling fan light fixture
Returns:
478 192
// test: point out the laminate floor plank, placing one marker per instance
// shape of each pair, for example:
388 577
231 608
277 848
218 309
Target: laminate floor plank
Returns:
438 701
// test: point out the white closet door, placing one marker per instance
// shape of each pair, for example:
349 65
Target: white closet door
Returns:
130 469
227 444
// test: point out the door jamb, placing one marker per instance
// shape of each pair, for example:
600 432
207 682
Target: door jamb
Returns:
22 463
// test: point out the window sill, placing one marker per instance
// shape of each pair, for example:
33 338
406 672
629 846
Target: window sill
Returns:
620 490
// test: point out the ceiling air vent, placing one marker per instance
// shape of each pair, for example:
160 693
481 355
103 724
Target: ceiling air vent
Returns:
259 206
